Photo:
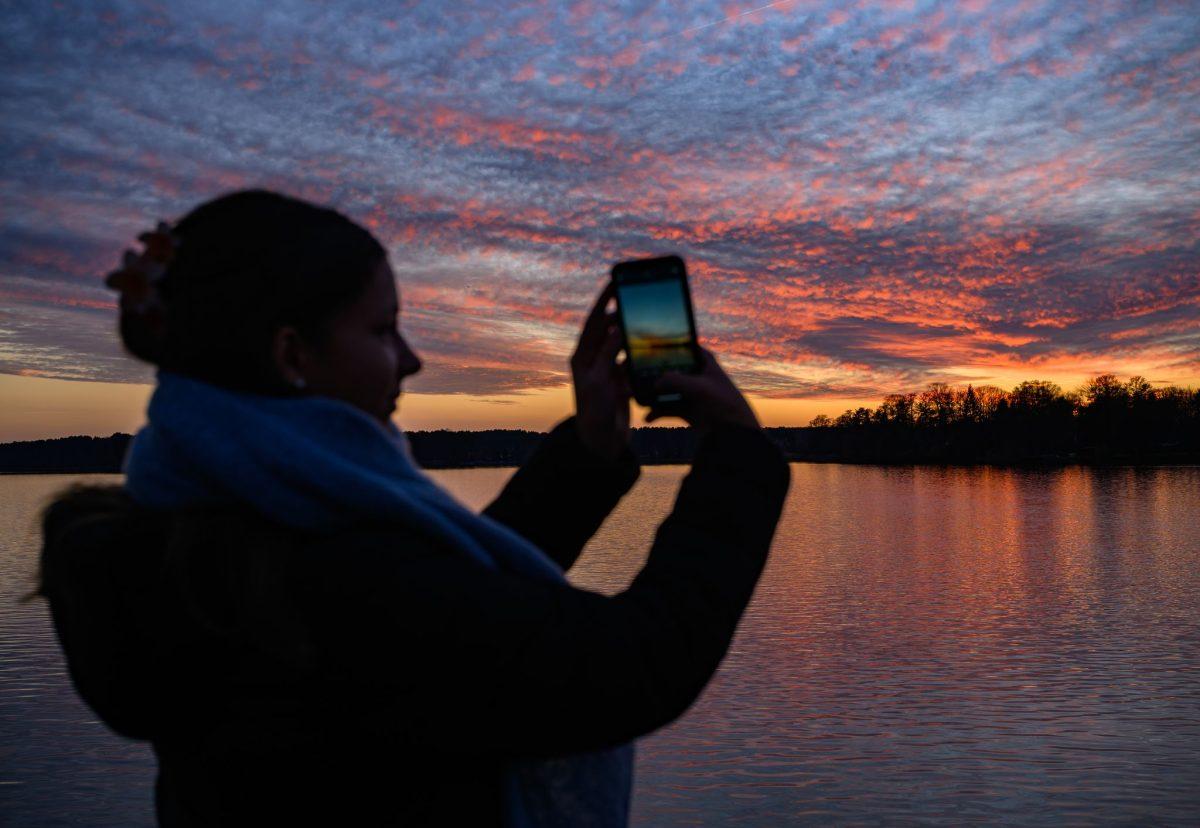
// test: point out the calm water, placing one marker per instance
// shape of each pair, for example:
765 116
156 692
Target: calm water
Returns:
926 646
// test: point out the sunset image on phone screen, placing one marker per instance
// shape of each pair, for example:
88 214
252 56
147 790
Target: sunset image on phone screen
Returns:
656 326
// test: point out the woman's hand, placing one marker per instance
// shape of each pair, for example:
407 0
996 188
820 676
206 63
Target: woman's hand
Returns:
601 385
708 398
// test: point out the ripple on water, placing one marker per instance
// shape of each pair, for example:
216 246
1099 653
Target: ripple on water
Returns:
927 645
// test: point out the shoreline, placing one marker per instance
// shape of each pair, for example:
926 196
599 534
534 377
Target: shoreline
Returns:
499 448
1018 465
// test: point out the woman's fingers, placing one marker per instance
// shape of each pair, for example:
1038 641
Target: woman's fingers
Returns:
609 348
624 389
591 338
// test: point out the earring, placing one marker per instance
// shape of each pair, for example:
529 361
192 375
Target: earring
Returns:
299 383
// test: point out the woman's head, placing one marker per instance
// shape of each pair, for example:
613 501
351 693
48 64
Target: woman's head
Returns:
273 295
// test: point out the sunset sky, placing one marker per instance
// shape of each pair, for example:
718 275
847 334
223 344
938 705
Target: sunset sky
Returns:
869 196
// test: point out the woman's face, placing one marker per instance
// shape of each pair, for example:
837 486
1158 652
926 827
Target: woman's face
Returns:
364 358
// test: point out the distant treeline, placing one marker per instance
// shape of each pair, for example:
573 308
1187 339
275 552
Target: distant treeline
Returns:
1105 421
64 455
432 450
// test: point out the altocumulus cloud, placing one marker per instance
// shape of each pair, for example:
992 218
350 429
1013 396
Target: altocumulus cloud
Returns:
871 195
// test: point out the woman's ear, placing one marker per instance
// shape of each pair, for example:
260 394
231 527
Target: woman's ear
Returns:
290 356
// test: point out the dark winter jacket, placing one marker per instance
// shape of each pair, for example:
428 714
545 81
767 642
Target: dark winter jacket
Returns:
374 677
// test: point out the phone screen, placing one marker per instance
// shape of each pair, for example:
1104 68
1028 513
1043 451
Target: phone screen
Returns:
657 328
656 319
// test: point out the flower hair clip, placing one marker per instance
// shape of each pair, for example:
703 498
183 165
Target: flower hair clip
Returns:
139 274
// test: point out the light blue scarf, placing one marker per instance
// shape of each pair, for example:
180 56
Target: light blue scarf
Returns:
319 463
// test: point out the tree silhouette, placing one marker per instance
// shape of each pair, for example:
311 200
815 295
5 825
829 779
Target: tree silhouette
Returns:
936 405
1106 420
969 409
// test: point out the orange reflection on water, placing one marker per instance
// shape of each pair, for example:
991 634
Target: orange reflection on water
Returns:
934 640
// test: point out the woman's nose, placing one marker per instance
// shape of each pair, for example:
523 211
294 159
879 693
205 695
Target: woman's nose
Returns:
410 363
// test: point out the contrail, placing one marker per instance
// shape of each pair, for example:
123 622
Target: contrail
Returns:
727 19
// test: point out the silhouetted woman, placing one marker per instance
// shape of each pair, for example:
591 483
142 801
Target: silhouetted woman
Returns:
306 627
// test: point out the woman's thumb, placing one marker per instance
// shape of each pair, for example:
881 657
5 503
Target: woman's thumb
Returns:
675 382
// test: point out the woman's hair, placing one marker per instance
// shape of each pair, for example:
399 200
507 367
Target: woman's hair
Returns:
246 264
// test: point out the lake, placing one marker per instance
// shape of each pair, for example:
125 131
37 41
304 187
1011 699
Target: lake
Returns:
927 645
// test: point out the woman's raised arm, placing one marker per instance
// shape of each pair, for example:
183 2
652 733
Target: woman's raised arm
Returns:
562 494
451 655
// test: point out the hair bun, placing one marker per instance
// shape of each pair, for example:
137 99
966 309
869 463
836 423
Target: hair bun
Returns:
143 313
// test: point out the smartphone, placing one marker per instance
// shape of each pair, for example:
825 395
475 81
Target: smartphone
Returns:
654 309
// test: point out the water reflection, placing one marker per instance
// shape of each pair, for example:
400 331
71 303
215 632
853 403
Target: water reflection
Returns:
927 644
948 644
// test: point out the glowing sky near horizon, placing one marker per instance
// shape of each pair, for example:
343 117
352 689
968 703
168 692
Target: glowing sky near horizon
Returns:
870 196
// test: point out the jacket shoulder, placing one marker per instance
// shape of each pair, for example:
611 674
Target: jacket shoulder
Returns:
91 566
83 519
84 503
